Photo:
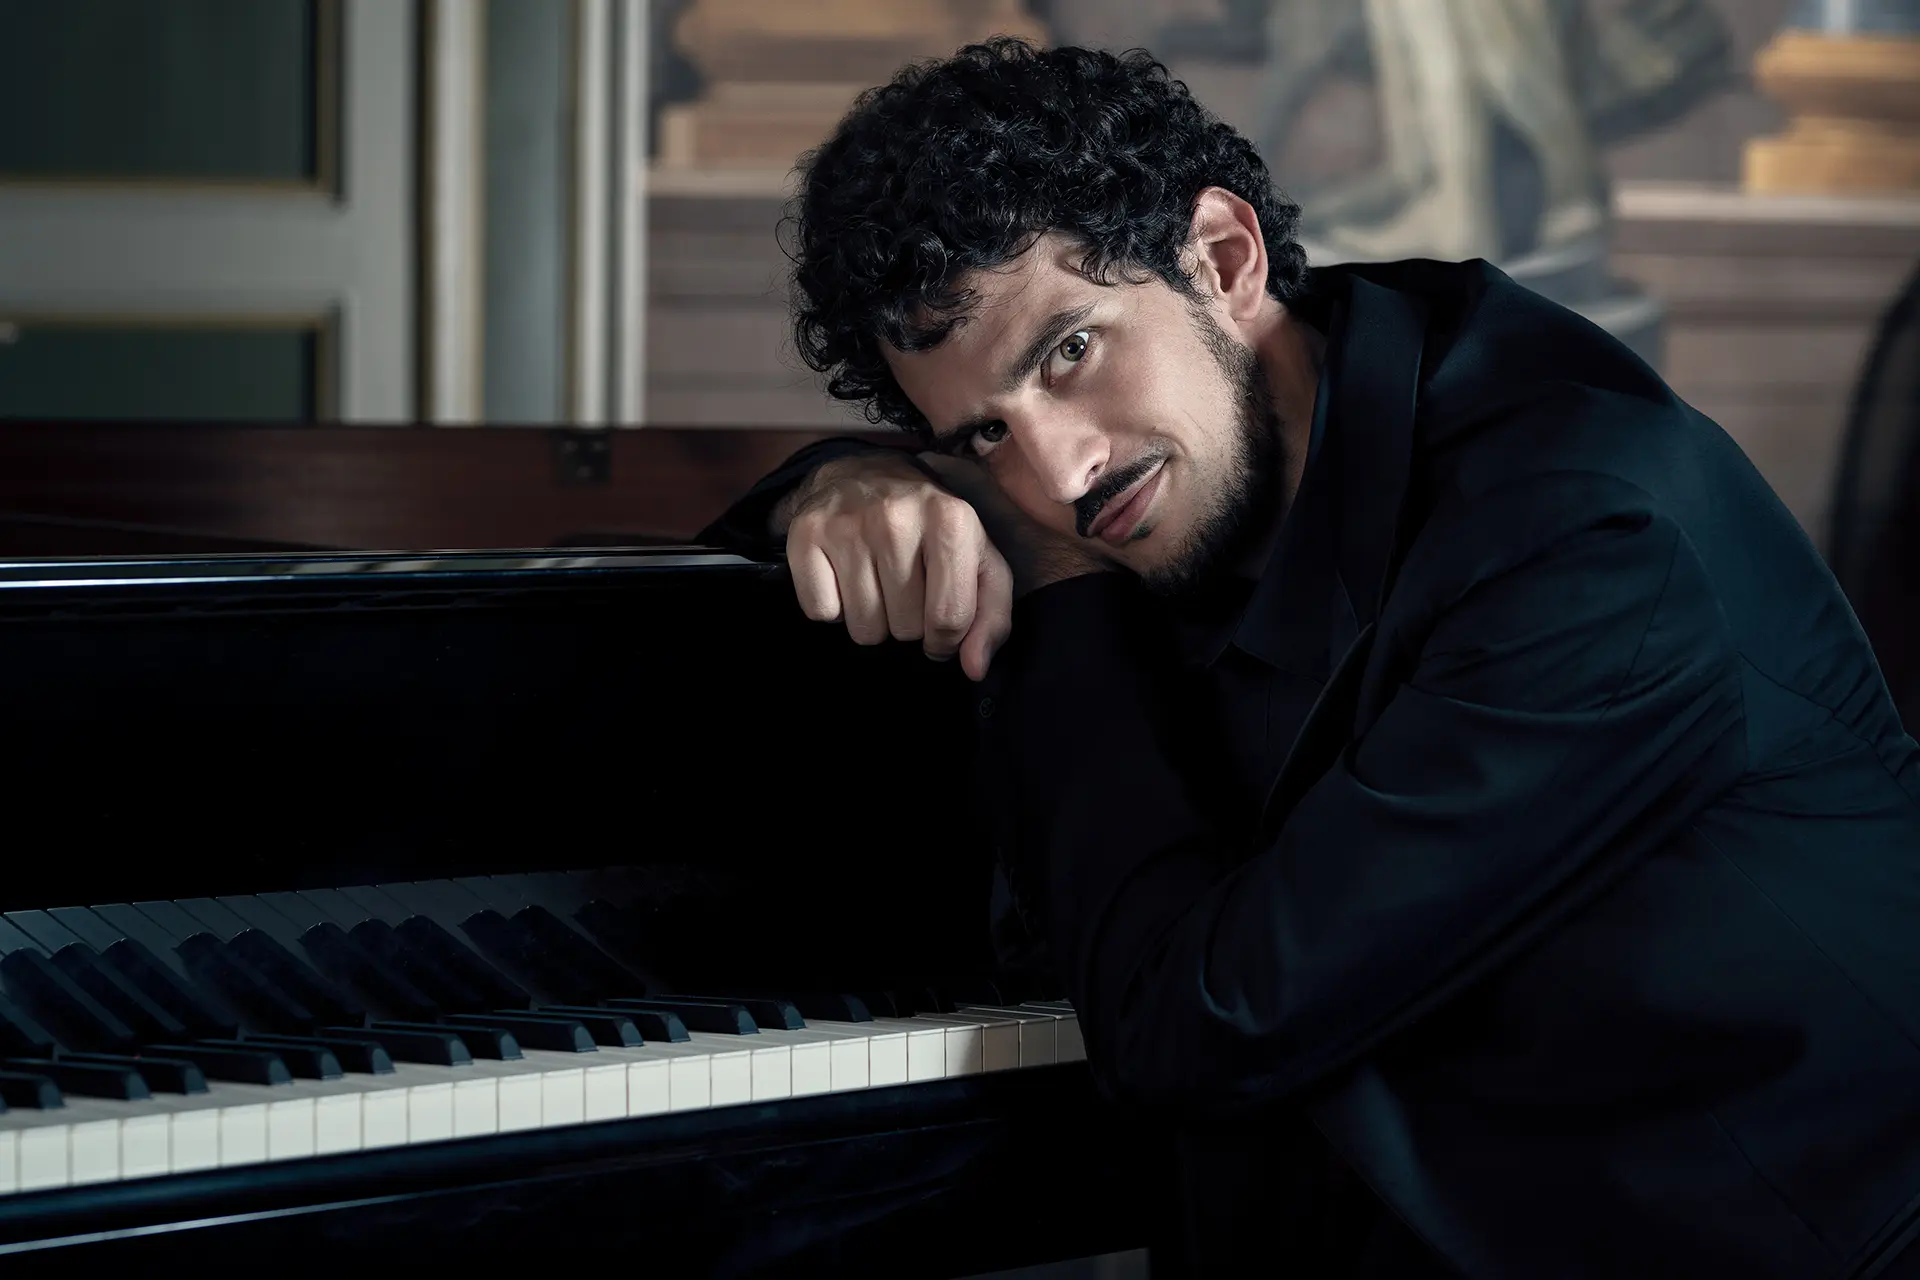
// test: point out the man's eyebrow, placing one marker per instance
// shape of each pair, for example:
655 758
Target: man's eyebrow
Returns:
1056 329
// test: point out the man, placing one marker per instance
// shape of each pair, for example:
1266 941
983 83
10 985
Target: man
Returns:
1396 708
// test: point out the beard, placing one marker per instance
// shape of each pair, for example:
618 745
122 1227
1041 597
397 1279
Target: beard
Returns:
1245 500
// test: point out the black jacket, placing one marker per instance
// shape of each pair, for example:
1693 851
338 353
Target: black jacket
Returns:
1583 915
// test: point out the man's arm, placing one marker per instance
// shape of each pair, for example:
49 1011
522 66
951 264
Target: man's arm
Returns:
756 525
1576 704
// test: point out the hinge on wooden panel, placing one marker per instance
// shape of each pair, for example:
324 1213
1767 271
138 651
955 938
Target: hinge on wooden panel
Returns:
582 457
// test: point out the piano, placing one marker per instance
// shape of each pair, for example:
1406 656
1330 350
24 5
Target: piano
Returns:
489 908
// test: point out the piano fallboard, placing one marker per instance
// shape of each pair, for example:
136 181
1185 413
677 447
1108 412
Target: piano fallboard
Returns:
267 772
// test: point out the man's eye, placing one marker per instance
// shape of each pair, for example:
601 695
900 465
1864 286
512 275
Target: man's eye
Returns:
988 434
1072 351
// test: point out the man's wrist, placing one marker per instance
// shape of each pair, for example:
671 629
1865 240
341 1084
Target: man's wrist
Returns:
781 517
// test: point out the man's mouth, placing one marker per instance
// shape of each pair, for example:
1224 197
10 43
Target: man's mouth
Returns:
1119 516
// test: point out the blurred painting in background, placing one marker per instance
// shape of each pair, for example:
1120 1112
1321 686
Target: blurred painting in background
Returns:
559 219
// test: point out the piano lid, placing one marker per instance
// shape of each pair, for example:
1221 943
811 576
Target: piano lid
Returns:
70 572
32 586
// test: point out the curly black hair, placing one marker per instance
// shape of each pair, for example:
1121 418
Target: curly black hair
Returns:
960 165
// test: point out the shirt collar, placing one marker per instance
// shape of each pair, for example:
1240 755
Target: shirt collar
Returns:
1243 612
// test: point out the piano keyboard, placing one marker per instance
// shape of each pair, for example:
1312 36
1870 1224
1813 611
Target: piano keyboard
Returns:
153 1038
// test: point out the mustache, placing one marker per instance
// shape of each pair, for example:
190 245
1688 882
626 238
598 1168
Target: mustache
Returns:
1087 507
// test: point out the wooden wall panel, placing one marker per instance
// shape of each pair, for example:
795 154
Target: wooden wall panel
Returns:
99 488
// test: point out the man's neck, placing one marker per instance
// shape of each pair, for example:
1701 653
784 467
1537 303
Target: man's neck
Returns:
1291 354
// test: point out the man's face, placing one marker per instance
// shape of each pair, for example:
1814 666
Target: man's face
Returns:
1123 414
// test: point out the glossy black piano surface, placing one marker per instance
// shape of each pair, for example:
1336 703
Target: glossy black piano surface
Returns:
204 750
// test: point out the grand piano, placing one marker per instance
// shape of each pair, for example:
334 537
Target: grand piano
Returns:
478 909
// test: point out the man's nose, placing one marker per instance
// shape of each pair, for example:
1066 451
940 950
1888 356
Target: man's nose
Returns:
1067 455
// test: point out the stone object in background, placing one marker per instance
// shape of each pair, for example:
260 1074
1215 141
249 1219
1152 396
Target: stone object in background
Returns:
781 75
1848 74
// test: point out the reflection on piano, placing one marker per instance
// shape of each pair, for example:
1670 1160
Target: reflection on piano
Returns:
297 965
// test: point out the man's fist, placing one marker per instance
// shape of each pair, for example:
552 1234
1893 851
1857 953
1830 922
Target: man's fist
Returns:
873 541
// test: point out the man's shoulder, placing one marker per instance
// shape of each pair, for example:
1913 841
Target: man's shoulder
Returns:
1489 336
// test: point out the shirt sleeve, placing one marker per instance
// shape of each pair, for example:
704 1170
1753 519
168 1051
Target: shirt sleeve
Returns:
1559 717
742 527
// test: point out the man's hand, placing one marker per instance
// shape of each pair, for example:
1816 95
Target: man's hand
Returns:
1039 556
873 541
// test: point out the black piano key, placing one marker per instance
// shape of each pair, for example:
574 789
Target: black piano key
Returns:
833 1006
163 1075
31 1090
884 1004
336 954
510 944
282 968
613 928
75 1018
932 999
360 1056
306 1058
658 1025
699 1015
85 1079
451 954
197 1010
442 988
605 1026
593 965
768 1013
435 1047
495 1043
21 1036
231 1060
116 994
261 1004
535 1031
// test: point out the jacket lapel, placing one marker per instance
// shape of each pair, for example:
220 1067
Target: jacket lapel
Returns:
1373 375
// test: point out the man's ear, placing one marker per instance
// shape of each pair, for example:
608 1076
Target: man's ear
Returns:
1229 255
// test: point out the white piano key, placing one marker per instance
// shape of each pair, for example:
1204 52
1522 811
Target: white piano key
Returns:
9 1162
430 1112
926 1047
605 1090
490 892
476 1107
49 933
810 1054
171 920
337 1123
301 912
1035 1032
563 1086
689 1075
650 1087
1068 1044
255 914
146 1143
996 1048
43 1151
243 1134
125 922
215 918
193 1139
772 1069
93 1144
730 1067
886 1052
373 901
965 1044
86 926
290 1128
